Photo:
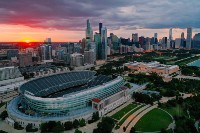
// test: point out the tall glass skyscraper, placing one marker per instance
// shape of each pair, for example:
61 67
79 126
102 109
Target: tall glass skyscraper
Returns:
89 34
170 34
97 40
189 38
103 43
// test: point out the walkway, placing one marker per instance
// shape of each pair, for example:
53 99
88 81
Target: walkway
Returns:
140 115
120 107
130 118
186 77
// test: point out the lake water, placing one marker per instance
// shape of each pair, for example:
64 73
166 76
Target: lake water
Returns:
194 63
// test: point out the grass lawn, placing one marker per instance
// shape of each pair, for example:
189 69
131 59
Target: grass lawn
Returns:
123 111
124 119
178 110
154 120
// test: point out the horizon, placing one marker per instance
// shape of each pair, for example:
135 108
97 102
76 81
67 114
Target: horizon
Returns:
32 21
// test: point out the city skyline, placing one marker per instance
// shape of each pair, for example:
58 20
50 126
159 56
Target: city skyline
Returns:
65 20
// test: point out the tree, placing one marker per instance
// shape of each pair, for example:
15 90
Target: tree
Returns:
95 116
105 126
16 125
3 115
132 130
163 131
58 128
44 127
124 129
77 131
68 125
75 123
82 122
29 127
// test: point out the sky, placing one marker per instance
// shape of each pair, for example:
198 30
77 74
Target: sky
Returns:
65 20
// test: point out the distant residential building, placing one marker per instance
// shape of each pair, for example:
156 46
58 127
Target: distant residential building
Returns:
89 57
10 75
135 37
25 59
155 38
196 40
47 41
115 42
12 53
76 60
189 38
45 52
177 42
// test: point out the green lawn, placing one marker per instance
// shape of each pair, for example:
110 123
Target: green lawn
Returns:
123 120
154 120
175 111
123 111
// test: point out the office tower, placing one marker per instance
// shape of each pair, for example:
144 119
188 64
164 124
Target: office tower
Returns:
182 40
100 26
83 44
177 42
89 57
97 40
12 53
89 34
196 40
142 41
155 38
103 55
182 35
76 60
115 42
189 38
47 41
45 52
135 37
25 59
170 34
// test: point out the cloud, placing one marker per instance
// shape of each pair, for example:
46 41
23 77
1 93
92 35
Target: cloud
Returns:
115 14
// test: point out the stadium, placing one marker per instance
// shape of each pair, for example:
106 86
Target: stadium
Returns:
65 97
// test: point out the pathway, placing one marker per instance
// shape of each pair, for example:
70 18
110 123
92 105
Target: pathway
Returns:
131 117
140 115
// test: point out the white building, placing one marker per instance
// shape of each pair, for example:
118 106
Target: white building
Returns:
10 75
76 60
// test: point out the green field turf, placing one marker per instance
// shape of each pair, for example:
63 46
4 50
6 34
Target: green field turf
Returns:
123 111
154 120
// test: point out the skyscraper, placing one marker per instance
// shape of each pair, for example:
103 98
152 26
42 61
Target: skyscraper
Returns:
103 43
45 52
155 38
89 33
182 40
170 34
100 26
97 40
135 37
189 38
